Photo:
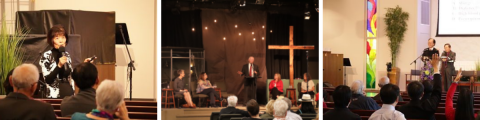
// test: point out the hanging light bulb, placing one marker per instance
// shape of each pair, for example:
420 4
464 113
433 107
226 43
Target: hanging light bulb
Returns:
270 31
206 28
223 38
263 26
239 33
253 33
235 26
215 20
193 29
263 38
253 39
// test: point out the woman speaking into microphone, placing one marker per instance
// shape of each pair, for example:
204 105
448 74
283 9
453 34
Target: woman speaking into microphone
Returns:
56 64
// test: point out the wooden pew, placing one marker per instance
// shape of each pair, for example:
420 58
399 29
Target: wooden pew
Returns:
132 115
129 108
128 103
367 113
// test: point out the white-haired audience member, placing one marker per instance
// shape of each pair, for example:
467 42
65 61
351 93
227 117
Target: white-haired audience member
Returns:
383 81
290 113
230 109
19 105
110 95
359 100
280 110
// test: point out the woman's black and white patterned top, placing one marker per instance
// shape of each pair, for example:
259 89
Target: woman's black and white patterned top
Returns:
54 75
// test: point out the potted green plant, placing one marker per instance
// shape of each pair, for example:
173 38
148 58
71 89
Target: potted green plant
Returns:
396 22
11 54
477 68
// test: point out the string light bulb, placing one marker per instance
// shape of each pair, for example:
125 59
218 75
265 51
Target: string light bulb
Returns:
263 38
193 29
223 38
206 28
263 26
253 39
215 20
239 33
253 33
270 31
235 26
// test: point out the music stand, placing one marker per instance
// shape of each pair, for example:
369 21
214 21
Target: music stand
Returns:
346 62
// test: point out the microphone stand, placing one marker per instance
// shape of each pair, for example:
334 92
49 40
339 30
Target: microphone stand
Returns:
131 67
415 61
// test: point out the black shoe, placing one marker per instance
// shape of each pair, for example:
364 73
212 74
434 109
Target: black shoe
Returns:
214 106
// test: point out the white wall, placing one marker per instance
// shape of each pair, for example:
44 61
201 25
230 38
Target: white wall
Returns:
344 32
466 48
139 15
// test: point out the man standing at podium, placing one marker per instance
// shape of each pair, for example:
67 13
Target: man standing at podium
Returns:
250 73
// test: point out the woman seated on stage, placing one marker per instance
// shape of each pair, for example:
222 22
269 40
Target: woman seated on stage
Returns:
205 87
307 86
276 86
179 88
464 109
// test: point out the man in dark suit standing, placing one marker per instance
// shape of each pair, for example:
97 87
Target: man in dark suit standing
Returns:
448 68
423 108
250 73
19 105
428 52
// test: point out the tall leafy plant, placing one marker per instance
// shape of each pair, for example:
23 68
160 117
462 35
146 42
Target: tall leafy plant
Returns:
477 68
396 21
11 54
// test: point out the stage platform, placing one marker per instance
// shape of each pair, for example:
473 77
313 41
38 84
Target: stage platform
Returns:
199 113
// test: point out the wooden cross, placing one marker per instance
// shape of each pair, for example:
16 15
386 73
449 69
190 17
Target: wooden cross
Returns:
291 47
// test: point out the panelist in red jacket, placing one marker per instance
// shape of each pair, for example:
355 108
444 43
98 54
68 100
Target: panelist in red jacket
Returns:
276 86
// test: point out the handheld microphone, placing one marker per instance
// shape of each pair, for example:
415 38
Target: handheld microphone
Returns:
62 50
92 58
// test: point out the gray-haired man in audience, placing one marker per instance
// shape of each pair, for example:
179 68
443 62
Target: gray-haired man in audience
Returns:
383 81
290 113
19 105
230 109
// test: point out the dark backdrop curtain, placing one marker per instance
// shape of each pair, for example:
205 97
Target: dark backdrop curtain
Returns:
305 33
177 28
225 57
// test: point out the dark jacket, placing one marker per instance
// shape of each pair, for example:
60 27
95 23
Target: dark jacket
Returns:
17 106
425 108
361 102
428 53
246 71
82 102
233 110
341 114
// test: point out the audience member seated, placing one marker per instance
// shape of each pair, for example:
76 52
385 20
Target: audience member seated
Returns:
179 88
7 84
110 95
427 89
307 105
390 94
268 110
85 77
359 100
464 109
280 110
19 104
276 86
425 108
341 98
383 81
205 87
253 109
290 113
307 86
230 109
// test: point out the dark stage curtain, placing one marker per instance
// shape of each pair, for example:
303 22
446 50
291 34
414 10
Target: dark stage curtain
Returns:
225 57
305 33
97 29
177 28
